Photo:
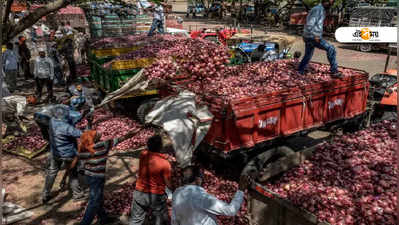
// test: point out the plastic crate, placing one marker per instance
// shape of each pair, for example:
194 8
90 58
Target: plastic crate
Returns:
132 64
114 51
110 80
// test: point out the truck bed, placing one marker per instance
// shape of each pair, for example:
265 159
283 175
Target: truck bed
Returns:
245 122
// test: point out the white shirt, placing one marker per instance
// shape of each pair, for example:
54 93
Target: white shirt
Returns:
192 205
43 68
158 12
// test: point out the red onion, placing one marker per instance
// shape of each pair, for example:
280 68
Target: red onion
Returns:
32 140
113 126
351 180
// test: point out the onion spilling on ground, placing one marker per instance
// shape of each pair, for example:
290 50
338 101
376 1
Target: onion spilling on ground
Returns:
32 140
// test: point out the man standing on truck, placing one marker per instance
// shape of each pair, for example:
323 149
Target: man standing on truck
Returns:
313 38
158 21
192 205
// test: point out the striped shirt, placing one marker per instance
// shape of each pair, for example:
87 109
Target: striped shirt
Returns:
95 165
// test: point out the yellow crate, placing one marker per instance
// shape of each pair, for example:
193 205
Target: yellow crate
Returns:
143 28
232 54
141 93
132 64
113 51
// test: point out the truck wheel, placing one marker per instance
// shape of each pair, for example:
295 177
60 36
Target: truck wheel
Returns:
365 47
145 108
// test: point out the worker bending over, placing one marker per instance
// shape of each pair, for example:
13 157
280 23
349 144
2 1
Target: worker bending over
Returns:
93 154
63 149
313 38
192 205
153 177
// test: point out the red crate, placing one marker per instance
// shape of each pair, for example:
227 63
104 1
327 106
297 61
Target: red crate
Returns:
245 122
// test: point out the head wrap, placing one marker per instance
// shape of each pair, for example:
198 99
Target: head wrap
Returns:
61 113
87 141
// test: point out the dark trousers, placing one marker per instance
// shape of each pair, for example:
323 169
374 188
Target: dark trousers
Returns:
53 166
95 206
39 87
72 69
26 68
143 202
11 79
156 25
310 45
58 75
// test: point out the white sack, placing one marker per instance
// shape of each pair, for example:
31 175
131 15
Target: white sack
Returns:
14 104
137 83
172 115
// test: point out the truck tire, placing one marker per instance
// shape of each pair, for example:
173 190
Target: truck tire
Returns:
144 108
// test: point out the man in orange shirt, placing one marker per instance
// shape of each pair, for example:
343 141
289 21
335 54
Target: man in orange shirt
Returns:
154 176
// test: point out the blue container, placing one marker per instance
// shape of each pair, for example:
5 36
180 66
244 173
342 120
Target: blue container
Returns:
250 47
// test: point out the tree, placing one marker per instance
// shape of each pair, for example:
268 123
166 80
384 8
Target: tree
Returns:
11 29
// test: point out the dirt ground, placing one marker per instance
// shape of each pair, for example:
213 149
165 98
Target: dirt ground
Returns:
24 179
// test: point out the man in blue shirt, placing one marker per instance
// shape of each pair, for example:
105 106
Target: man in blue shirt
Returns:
313 38
10 66
63 148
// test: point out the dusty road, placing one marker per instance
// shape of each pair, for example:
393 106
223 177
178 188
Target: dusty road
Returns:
372 62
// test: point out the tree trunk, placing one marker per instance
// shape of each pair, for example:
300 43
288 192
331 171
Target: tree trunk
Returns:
7 11
32 18
240 11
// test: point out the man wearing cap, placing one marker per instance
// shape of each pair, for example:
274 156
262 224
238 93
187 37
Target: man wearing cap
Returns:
44 74
63 149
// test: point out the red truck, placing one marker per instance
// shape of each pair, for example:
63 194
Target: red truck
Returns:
244 123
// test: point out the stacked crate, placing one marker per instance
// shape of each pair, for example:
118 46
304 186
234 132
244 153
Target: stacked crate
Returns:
143 23
110 20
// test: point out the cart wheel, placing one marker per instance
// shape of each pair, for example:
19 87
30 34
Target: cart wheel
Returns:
145 108
365 47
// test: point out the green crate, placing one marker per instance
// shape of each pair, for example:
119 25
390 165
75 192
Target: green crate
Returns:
101 60
118 77
110 80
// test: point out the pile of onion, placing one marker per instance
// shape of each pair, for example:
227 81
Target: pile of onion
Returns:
351 180
112 125
32 140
